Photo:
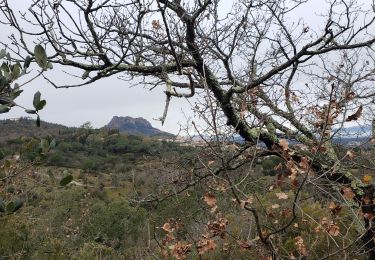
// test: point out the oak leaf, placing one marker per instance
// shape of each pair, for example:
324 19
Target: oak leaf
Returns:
284 144
167 228
244 244
210 199
333 230
282 196
204 245
334 208
304 163
367 179
350 154
180 250
348 193
300 245
356 115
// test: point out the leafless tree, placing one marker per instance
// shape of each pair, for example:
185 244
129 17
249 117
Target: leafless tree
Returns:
259 70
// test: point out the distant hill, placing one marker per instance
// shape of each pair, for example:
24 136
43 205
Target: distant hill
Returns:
24 126
136 126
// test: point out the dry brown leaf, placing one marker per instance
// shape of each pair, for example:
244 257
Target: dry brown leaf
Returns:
275 206
367 179
304 163
366 200
333 230
356 115
204 245
324 221
210 199
167 228
334 208
349 95
350 154
295 98
284 144
156 24
180 250
282 196
369 216
348 193
295 182
244 244
300 245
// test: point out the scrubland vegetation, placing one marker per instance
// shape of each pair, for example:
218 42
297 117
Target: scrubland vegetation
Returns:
130 199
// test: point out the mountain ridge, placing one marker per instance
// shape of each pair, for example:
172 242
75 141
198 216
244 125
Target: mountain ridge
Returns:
135 126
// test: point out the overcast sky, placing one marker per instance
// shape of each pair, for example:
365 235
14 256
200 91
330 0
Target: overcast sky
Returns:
99 102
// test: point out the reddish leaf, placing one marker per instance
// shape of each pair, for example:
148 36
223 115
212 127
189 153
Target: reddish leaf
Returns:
244 244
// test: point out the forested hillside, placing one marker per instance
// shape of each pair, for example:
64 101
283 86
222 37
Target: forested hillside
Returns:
132 197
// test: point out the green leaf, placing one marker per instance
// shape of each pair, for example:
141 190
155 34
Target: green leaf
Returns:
4 109
14 205
38 121
2 205
30 111
16 91
52 144
36 99
6 70
85 74
16 70
66 180
41 56
6 101
27 62
3 53
44 145
41 104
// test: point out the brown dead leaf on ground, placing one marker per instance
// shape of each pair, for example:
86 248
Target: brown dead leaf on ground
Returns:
333 230
210 199
284 144
348 193
167 228
367 179
282 196
205 245
300 245
350 154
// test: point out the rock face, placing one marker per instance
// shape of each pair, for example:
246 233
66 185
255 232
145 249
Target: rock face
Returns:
135 126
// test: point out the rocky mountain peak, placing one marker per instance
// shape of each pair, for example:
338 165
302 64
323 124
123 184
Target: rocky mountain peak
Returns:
136 126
